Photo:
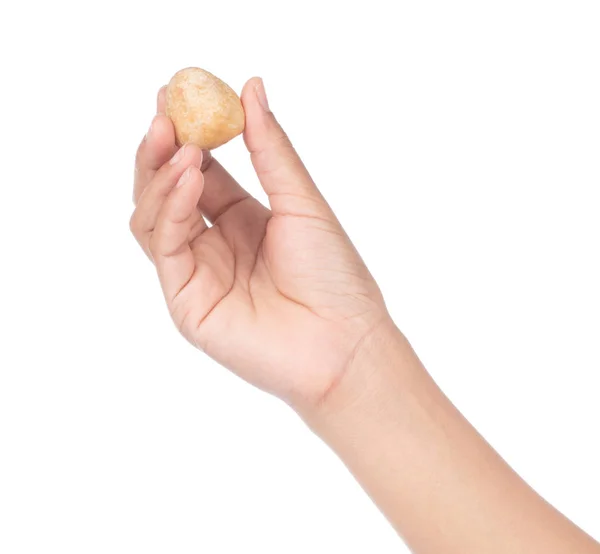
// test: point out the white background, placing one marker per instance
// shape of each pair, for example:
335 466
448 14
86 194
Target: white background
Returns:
459 144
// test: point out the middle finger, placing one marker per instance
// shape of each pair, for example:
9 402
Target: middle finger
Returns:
153 197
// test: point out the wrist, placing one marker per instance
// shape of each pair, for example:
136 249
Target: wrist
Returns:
378 372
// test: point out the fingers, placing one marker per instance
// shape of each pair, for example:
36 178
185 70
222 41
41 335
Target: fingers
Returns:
152 199
169 244
155 149
278 166
221 190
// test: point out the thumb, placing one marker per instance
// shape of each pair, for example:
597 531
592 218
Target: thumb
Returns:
280 170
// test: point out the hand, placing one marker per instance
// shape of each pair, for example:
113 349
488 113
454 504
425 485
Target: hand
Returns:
279 296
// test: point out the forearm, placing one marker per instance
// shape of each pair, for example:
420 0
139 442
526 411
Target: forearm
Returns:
438 482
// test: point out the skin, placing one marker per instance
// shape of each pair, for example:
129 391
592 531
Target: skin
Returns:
281 297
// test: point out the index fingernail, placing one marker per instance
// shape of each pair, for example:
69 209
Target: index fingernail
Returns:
262 96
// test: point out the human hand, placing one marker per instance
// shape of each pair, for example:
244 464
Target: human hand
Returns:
279 296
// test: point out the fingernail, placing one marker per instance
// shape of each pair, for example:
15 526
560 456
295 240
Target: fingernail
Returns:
184 178
262 96
178 156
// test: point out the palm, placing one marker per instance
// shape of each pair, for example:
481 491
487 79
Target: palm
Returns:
282 290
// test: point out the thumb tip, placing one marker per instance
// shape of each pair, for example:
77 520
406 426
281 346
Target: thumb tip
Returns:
254 95
261 124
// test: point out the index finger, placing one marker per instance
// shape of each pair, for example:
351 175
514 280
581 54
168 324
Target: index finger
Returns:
156 148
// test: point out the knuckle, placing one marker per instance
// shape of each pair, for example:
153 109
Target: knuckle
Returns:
134 223
282 145
158 242
278 135
282 139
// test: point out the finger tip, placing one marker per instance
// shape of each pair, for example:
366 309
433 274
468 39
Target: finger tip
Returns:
249 90
195 173
161 100
258 115
253 111
194 153
163 120
162 132
253 82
